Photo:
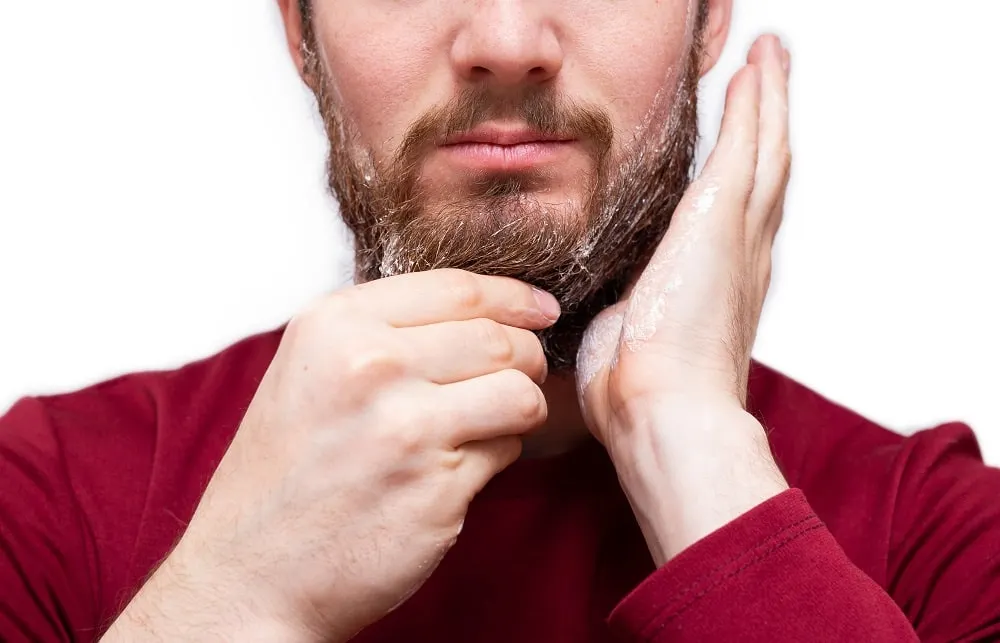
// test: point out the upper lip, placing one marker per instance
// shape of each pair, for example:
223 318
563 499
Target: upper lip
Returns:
496 134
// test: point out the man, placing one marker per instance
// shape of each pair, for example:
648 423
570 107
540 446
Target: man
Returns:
535 418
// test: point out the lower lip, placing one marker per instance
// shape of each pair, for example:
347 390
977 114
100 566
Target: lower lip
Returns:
509 158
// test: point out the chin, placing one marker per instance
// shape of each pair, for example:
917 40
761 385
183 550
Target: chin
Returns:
495 210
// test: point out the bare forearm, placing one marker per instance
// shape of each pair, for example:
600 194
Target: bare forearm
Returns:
690 470
178 603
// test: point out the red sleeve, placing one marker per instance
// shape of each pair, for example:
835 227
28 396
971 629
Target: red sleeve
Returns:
944 553
47 562
778 574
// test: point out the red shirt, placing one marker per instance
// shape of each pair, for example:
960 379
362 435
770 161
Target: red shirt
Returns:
881 538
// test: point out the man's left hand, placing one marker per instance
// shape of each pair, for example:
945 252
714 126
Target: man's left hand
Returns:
662 375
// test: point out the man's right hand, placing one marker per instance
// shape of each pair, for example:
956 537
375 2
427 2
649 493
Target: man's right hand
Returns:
387 407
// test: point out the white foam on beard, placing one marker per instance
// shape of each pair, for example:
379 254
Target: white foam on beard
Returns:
396 260
534 223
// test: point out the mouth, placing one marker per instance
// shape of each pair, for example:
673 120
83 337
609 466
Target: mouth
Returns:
496 147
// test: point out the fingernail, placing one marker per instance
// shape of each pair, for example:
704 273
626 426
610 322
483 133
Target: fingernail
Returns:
547 304
786 60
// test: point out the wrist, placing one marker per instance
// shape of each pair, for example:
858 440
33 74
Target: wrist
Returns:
691 466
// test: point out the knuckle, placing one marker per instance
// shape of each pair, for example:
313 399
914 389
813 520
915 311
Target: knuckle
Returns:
491 337
463 288
409 439
372 365
402 431
527 402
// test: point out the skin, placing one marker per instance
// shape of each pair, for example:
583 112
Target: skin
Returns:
413 55
669 402
352 471
441 382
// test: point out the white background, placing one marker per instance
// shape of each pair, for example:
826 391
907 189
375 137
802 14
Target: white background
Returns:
161 196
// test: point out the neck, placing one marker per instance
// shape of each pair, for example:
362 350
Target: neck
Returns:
564 428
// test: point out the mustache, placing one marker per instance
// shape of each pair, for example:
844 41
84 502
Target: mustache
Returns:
540 108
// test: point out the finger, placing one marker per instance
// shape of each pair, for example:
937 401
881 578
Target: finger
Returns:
483 459
726 182
456 351
773 157
434 296
490 406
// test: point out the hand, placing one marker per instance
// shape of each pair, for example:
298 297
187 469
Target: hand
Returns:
662 375
387 407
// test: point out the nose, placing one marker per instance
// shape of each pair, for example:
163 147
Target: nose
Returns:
507 43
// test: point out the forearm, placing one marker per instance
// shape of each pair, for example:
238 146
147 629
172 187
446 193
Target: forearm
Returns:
183 601
691 467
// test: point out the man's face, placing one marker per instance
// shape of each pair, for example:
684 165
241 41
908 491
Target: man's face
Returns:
546 140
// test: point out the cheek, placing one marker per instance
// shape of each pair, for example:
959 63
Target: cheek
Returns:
637 54
388 63
378 66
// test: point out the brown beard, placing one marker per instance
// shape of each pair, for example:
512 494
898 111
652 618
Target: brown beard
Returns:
584 254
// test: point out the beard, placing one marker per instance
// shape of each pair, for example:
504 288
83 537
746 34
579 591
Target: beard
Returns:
584 253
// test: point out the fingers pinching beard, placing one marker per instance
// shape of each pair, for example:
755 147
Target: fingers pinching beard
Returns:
460 350
432 296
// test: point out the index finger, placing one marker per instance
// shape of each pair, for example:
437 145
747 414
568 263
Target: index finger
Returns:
435 296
